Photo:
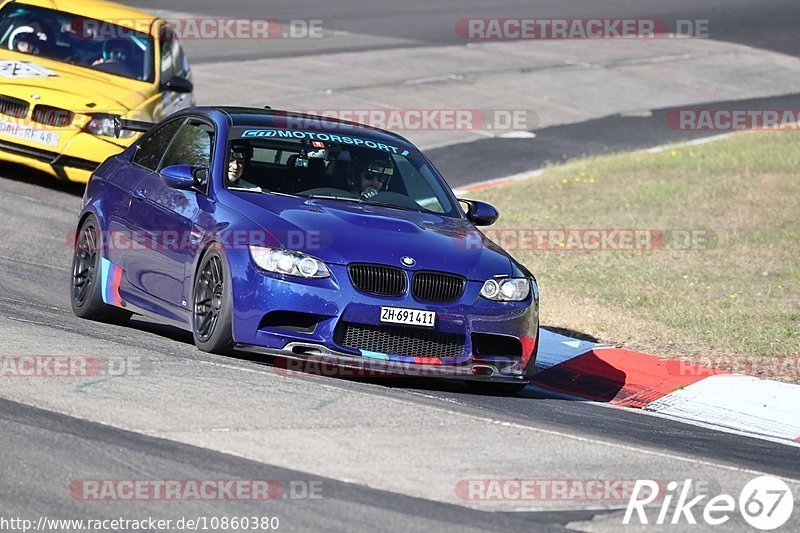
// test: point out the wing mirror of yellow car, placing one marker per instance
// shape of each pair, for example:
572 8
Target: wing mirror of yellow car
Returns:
178 84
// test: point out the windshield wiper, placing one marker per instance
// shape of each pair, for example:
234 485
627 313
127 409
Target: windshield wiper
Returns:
246 189
366 202
400 207
327 197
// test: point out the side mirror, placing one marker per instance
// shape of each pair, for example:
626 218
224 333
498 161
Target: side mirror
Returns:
177 84
179 176
480 213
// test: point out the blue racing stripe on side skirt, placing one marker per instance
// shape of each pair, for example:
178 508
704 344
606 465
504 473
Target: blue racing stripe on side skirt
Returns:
105 268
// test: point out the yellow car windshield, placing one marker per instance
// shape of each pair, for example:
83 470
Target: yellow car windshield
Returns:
76 40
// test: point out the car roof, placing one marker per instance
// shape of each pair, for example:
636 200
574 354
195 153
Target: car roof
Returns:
276 118
119 14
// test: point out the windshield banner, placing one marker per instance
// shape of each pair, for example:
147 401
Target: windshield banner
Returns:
261 133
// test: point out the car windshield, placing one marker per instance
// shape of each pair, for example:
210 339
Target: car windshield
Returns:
76 40
337 171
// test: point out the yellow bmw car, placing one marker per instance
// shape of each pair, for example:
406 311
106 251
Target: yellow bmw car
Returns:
68 67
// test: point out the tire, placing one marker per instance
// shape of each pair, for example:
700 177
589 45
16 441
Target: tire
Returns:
86 285
212 303
487 387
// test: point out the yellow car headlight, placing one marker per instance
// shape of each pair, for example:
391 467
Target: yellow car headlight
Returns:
103 125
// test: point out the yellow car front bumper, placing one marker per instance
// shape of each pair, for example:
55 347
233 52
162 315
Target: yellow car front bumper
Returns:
82 155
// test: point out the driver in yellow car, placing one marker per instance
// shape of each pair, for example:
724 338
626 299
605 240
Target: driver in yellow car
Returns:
28 43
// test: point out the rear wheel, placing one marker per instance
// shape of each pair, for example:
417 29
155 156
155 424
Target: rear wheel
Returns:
212 310
86 286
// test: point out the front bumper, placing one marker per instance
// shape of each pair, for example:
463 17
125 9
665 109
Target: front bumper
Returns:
82 155
336 303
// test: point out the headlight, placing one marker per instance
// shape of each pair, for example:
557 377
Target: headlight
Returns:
101 124
506 289
288 262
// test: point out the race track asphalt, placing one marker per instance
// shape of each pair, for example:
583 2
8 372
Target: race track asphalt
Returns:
200 416
388 455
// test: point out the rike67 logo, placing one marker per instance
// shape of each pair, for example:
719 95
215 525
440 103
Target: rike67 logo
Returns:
765 503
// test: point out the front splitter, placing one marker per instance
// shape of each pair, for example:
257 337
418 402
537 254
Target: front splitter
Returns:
344 365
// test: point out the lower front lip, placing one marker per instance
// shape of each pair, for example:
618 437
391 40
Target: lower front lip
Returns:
315 359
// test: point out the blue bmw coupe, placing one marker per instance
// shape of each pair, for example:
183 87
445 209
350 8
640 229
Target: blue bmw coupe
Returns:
307 239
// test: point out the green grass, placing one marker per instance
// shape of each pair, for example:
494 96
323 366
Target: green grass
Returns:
740 296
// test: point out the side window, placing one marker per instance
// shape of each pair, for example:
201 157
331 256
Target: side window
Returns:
168 67
191 146
180 62
151 149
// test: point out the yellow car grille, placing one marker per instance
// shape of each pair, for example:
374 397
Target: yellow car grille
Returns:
52 116
13 107
43 114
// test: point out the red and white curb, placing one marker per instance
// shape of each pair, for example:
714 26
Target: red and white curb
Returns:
711 398
624 378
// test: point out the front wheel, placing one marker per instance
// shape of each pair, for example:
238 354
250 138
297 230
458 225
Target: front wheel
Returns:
212 310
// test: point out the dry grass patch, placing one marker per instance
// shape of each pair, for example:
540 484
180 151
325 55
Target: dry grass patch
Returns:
740 296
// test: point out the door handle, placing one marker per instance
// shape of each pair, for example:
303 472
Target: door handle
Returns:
140 194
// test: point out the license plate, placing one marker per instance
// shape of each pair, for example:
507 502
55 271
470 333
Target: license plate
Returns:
49 138
412 317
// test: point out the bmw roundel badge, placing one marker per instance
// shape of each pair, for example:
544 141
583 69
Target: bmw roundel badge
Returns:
408 261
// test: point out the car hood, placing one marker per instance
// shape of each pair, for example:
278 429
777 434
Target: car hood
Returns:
69 87
339 232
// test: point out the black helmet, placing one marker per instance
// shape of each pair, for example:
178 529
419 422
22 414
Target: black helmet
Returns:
31 39
242 150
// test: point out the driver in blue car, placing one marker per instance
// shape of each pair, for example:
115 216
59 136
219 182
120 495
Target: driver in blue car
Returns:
372 176
240 156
